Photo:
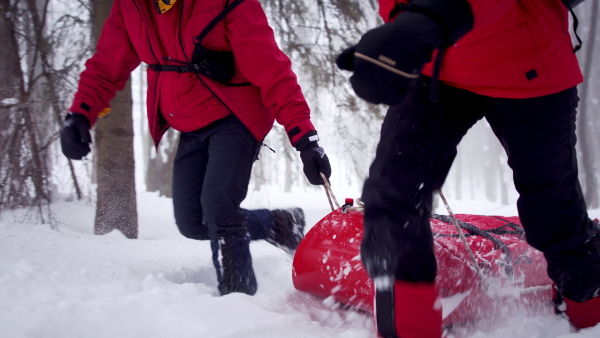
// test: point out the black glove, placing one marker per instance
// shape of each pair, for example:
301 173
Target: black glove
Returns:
75 137
388 60
314 158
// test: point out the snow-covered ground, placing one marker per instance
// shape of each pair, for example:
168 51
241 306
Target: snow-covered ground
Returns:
70 283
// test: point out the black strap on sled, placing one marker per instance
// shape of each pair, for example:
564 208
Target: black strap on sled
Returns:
487 234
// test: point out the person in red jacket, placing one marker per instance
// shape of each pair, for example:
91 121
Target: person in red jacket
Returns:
442 65
216 75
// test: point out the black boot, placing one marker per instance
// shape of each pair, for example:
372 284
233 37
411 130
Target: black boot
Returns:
234 264
288 229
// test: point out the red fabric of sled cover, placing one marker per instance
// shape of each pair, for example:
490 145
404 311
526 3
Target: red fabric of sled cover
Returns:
327 264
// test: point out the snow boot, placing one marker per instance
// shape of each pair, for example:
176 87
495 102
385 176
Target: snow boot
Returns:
583 315
284 228
288 229
234 264
407 310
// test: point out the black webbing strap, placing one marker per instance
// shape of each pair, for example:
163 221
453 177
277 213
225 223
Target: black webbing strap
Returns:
435 77
171 68
437 64
575 22
518 229
401 7
485 234
216 20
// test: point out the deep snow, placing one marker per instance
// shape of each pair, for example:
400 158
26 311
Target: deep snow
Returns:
70 283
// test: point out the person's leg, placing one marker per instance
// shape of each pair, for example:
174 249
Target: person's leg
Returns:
417 146
189 168
259 223
539 137
189 173
284 228
231 152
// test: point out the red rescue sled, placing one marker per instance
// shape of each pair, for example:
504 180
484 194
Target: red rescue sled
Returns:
327 264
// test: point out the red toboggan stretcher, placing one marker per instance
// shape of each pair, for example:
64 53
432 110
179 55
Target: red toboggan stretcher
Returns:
509 275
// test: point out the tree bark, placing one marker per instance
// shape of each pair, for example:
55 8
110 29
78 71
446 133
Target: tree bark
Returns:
586 122
116 206
116 196
23 165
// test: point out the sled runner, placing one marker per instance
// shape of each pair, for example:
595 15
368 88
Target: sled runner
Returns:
513 275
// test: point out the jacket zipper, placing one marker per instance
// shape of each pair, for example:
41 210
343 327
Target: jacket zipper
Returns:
155 58
147 35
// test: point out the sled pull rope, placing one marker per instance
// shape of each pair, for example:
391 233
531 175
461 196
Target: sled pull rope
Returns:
329 193
484 282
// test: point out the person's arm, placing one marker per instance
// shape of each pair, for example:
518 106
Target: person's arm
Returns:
484 11
260 60
108 70
387 61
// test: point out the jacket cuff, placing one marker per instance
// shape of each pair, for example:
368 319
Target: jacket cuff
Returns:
309 139
299 130
86 109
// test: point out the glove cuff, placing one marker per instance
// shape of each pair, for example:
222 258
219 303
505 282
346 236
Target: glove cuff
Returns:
77 118
308 140
345 60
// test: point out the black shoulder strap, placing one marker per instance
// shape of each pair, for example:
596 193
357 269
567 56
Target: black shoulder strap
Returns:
570 4
216 20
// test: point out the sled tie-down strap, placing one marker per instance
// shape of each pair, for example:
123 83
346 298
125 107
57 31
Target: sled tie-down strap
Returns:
515 229
487 234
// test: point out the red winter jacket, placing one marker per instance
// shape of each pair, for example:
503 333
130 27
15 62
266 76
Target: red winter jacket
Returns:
517 49
134 32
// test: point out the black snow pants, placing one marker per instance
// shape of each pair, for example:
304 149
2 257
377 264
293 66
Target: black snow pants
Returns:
211 174
418 144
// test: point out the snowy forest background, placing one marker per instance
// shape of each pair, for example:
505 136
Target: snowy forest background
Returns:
72 283
45 43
